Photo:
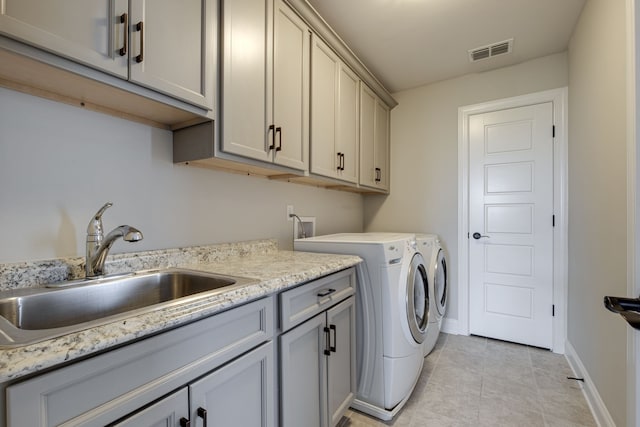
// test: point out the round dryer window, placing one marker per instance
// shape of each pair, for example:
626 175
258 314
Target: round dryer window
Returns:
418 298
440 283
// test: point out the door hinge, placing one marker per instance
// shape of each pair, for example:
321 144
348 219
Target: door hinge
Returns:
553 310
553 131
553 220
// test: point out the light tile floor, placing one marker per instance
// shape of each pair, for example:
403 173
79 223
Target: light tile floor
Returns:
474 381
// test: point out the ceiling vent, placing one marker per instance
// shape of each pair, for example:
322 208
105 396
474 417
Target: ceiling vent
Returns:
489 51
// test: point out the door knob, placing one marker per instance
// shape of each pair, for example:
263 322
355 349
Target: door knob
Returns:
478 236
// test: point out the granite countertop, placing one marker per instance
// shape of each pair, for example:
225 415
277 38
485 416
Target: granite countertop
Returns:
272 269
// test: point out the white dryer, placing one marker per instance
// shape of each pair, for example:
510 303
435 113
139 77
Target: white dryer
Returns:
392 315
429 246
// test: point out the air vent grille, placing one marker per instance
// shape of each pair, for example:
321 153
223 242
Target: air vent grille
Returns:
489 51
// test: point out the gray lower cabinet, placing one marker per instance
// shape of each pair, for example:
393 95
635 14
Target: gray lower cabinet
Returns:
170 411
317 357
237 394
224 358
218 371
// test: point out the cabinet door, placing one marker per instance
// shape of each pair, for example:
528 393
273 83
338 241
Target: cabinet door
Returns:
165 413
303 375
87 31
374 141
341 371
367 136
382 146
291 88
325 66
238 394
348 118
173 50
246 77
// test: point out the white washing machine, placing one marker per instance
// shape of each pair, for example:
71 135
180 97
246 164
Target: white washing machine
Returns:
392 315
429 246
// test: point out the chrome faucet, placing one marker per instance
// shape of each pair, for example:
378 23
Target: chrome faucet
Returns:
98 246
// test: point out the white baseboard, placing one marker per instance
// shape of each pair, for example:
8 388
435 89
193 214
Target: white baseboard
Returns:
598 408
450 326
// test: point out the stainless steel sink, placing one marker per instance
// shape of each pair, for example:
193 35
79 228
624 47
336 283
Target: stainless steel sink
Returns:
36 314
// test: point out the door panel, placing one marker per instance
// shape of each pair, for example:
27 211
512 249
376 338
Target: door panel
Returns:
165 413
324 108
341 372
291 88
93 35
246 77
174 41
348 118
238 394
511 207
303 384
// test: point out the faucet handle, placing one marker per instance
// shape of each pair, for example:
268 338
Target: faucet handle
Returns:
95 225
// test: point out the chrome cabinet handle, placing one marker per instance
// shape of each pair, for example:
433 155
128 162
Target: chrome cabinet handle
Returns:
479 236
140 27
124 19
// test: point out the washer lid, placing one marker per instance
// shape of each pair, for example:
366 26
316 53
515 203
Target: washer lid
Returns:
373 238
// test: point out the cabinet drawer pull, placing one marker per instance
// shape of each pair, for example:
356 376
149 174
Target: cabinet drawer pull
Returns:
342 162
279 133
273 137
140 27
202 413
335 333
327 349
184 422
325 292
124 19
339 161
378 175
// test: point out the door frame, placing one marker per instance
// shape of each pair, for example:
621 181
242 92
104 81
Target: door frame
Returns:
633 209
559 98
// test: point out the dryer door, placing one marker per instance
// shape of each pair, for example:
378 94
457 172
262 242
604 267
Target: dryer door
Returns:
418 298
440 283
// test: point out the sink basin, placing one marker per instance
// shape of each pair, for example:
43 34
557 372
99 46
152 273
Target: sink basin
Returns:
35 314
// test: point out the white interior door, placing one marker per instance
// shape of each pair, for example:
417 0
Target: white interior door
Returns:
511 216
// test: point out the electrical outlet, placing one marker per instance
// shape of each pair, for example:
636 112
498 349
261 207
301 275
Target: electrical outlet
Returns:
289 212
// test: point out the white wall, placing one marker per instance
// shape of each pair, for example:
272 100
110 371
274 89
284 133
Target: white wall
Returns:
597 197
59 164
424 151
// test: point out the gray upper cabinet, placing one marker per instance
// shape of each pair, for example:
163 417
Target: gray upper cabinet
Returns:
265 82
91 32
164 45
334 115
171 48
374 141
